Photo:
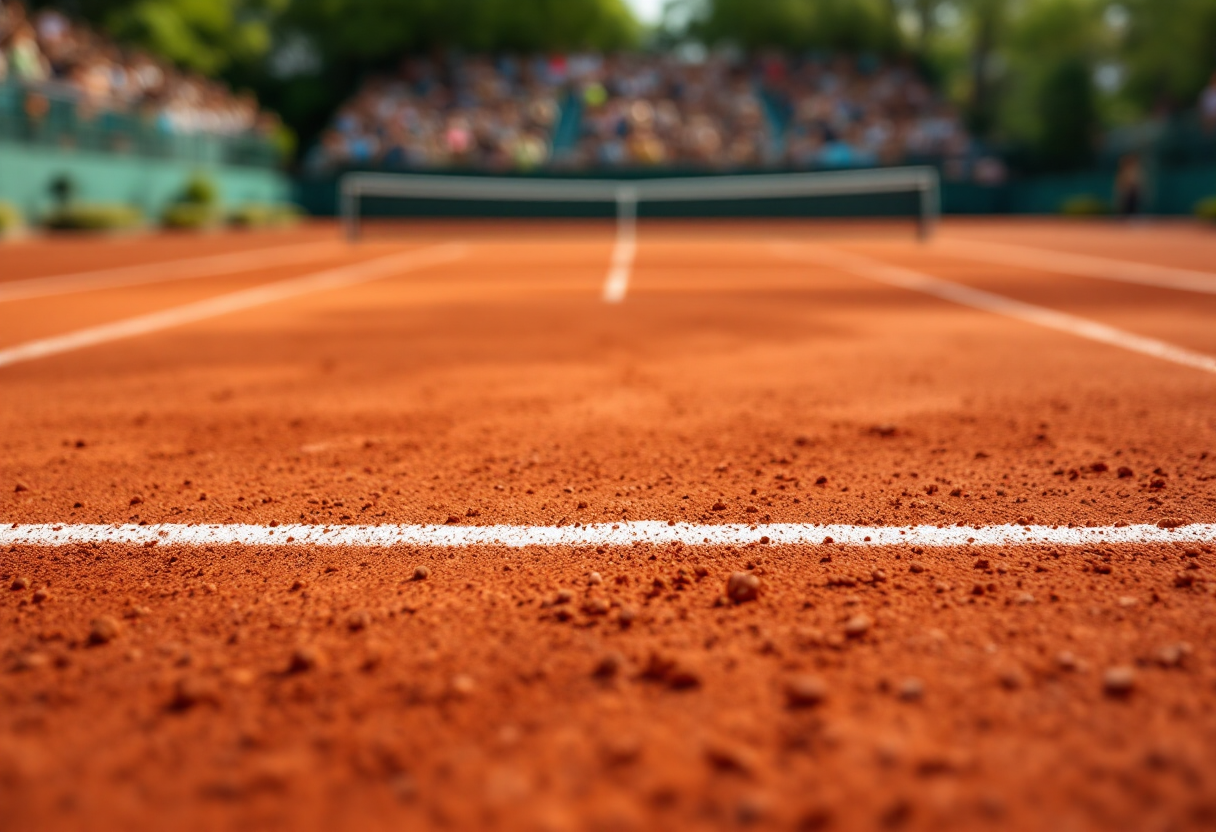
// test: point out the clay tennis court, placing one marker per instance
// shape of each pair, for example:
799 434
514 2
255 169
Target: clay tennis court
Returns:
820 527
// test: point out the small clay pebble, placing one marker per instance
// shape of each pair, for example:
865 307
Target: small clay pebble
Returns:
805 691
1011 678
595 579
915 568
41 596
190 692
31 661
1172 654
911 689
19 583
597 606
609 666
857 626
700 571
303 659
103 630
742 587
627 616
421 573
298 584
463 685
1118 681
358 620
1066 661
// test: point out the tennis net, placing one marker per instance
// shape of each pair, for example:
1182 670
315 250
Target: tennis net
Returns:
912 192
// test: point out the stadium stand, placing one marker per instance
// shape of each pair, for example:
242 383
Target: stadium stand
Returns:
589 112
64 84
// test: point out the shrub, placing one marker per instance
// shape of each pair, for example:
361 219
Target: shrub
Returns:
1085 205
201 190
10 219
1205 209
94 217
190 216
263 215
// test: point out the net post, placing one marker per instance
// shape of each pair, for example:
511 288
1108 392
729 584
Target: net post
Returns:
930 204
349 198
626 211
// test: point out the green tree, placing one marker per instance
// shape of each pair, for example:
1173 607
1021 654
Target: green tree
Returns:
851 25
1169 50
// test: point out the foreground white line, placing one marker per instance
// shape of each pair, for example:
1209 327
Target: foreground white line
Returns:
1084 265
382 267
625 249
604 534
999 304
236 262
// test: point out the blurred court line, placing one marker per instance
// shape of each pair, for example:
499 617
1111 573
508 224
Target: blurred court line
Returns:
1083 265
218 264
343 276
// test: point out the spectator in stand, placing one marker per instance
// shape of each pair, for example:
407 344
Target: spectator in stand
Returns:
1207 105
644 110
51 53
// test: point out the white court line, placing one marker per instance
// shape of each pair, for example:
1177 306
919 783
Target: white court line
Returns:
381 267
240 261
998 304
624 250
603 534
1084 265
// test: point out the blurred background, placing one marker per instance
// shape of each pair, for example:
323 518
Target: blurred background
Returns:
192 113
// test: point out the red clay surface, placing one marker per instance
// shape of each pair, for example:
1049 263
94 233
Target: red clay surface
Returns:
582 689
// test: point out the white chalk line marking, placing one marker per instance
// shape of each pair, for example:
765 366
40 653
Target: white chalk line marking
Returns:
165 272
343 276
998 304
604 534
624 250
1083 265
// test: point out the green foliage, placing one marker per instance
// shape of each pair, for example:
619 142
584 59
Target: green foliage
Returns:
94 217
207 36
1205 209
1170 50
373 30
1067 107
10 219
190 216
1085 205
852 25
262 215
201 190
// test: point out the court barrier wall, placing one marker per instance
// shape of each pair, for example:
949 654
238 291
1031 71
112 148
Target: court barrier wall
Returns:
1171 191
27 172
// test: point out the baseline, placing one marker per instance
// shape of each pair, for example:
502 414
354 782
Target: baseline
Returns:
1042 316
381 267
602 534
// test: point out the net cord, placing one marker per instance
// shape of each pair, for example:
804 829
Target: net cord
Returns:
353 187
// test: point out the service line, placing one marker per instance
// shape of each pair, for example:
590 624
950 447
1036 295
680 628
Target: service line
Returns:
602 534
351 275
165 272
1083 265
625 250
916 281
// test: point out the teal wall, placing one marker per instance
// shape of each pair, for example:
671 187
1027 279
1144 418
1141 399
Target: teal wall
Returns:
26 172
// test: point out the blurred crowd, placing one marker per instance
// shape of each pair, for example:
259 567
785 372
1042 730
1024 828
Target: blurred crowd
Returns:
597 111
48 52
